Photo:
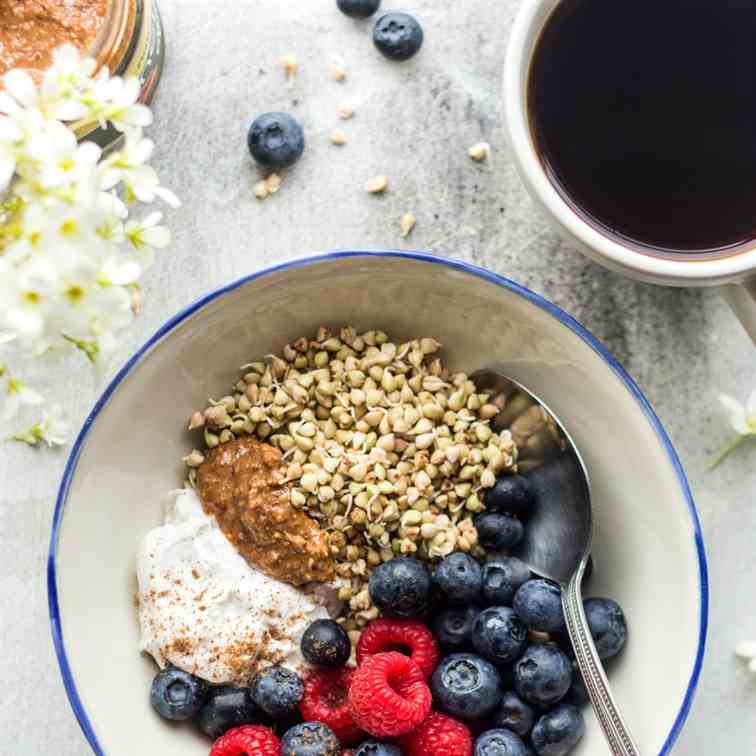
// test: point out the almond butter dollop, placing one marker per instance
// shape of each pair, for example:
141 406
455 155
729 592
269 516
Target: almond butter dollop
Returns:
241 483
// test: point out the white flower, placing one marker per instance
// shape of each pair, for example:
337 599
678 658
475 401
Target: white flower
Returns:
121 107
747 650
21 87
129 166
742 419
147 236
112 214
70 257
17 393
61 159
63 82
26 293
52 429
743 422
10 136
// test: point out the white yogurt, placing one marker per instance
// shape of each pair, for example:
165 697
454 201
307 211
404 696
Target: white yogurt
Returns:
203 608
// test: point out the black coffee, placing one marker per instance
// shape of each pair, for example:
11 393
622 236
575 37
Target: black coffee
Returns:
644 113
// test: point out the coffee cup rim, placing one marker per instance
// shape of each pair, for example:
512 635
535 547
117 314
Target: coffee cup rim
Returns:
528 23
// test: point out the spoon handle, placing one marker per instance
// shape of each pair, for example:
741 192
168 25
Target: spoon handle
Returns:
617 734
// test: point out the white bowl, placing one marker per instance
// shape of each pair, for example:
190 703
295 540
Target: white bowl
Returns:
648 546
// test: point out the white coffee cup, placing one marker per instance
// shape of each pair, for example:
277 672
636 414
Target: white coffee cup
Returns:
735 274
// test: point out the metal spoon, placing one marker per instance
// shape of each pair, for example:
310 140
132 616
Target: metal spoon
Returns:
557 541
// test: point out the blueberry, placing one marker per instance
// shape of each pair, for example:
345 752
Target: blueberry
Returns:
326 644
514 714
500 743
374 748
398 35
538 603
459 579
453 627
608 626
401 587
275 140
358 8
466 686
542 675
502 576
176 694
310 739
512 494
498 531
577 694
278 691
499 634
559 731
226 708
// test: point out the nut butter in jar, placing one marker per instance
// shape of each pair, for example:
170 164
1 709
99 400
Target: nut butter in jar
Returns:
124 35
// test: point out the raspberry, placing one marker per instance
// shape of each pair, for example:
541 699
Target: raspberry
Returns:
388 695
438 735
406 636
325 700
249 740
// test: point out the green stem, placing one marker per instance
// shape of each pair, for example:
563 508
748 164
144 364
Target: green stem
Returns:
725 452
90 348
32 436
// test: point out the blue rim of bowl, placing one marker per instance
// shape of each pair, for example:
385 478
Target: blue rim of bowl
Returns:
458 265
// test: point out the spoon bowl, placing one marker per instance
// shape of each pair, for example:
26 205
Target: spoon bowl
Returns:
557 541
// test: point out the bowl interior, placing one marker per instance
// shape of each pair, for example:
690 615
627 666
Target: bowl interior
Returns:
647 546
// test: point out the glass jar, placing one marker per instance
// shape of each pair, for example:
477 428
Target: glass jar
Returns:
130 42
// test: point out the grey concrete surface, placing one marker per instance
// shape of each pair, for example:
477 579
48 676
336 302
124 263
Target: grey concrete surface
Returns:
414 122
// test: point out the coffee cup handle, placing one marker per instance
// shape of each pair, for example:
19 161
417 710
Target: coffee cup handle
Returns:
742 300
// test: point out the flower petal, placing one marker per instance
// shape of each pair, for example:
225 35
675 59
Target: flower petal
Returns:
746 649
157 236
8 105
9 132
751 406
7 169
167 196
737 414
21 86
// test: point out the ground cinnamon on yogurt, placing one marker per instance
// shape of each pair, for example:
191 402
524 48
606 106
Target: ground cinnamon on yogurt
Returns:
31 29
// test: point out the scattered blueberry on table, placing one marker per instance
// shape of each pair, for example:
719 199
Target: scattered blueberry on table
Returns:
227 707
358 8
326 644
176 694
275 140
398 36
466 686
